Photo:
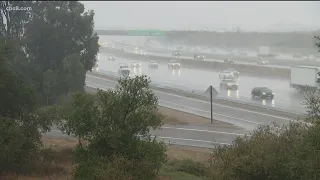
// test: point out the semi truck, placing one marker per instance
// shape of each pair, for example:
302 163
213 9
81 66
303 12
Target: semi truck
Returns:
302 76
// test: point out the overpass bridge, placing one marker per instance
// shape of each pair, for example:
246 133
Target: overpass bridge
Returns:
114 32
280 40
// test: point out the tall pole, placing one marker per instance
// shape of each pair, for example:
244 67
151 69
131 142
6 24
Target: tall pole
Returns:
211 103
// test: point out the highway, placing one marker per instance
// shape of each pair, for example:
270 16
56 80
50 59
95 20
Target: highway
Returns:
191 135
282 60
189 55
238 116
199 81
195 136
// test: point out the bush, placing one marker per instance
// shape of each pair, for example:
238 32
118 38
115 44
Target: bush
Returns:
189 166
19 144
270 153
115 125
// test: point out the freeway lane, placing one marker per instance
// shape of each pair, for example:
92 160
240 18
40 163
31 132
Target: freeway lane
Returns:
157 48
199 81
237 116
182 135
208 58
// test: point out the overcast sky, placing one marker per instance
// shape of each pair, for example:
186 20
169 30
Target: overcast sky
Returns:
214 15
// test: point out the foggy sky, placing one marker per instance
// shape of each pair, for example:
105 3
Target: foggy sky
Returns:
212 15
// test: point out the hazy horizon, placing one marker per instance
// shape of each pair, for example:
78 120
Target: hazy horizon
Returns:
206 15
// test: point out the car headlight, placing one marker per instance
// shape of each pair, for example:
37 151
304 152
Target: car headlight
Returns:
264 93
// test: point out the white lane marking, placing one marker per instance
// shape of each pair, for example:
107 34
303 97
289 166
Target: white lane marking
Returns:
210 112
202 130
192 140
222 115
183 139
235 108
244 120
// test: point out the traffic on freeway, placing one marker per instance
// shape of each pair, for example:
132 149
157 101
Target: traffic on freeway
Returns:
158 53
199 80
240 117
242 56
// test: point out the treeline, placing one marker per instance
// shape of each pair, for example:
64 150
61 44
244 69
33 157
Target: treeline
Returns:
44 56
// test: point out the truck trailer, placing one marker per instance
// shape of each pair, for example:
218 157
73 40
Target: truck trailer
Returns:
302 76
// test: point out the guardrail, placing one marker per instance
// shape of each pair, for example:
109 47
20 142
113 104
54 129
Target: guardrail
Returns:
219 100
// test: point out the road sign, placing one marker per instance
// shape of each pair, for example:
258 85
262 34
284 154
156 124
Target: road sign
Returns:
212 94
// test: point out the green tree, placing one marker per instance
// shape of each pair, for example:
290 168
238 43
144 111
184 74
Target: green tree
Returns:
20 139
274 152
115 125
47 37
74 73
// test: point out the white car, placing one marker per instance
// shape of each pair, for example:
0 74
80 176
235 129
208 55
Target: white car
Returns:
153 64
136 50
111 58
135 64
263 62
227 75
110 45
174 64
235 72
229 85
124 70
142 52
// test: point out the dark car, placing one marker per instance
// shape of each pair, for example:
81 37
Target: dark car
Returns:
198 57
230 61
176 53
262 93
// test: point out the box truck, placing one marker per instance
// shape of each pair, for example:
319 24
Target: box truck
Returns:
302 76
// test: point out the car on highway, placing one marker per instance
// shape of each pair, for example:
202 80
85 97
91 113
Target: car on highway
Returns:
235 72
110 46
198 57
310 58
137 50
124 70
229 61
229 85
262 93
142 52
176 53
263 62
173 64
227 75
153 65
136 64
111 58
